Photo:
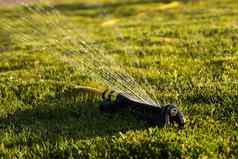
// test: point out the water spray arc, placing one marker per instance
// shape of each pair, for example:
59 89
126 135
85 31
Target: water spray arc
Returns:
127 92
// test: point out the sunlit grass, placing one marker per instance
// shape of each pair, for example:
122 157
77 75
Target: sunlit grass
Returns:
186 50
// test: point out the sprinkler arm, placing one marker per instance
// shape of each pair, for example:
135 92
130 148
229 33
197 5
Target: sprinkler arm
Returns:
153 114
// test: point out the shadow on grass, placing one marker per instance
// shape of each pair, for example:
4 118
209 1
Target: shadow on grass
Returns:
70 118
82 6
58 118
94 10
117 9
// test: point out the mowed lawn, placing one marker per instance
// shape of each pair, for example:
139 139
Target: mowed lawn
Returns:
186 51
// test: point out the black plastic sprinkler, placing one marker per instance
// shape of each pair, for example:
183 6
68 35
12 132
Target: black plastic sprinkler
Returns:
153 114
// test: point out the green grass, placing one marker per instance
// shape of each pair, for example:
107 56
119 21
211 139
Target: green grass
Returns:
187 50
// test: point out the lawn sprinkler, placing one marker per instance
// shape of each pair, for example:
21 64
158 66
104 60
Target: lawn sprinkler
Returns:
154 114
